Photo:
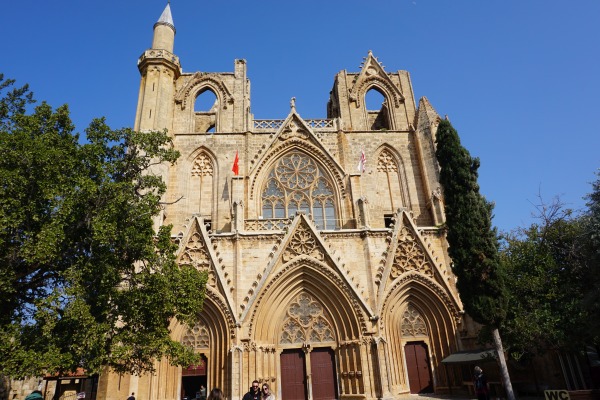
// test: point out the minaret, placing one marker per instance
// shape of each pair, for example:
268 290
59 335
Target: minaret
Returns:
159 68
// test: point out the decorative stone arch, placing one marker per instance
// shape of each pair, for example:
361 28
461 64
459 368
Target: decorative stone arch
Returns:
215 315
220 327
201 82
428 293
201 165
260 175
306 275
440 315
385 155
382 85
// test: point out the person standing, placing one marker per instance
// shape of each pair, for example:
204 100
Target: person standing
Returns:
480 384
132 397
266 393
254 393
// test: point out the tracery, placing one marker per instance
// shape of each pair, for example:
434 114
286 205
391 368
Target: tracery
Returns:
298 183
306 322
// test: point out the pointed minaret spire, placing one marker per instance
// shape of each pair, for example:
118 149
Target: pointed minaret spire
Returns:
158 58
166 18
164 31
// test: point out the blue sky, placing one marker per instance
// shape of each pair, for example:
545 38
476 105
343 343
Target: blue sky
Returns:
519 79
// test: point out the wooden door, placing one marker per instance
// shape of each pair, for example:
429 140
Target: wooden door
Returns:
293 375
323 375
418 368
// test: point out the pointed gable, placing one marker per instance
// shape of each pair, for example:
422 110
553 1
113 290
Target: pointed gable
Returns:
408 253
295 133
301 244
195 250
373 74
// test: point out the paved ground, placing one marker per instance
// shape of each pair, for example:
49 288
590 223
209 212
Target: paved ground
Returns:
455 397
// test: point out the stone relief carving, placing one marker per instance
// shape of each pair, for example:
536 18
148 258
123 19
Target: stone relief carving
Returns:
303 242
409 256
196 255
386 162
202 166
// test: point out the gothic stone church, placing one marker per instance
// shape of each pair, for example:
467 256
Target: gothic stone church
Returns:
326 281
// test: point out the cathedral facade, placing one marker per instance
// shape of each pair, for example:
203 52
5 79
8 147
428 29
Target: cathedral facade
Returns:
328 271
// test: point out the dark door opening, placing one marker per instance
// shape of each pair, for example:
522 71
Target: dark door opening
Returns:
192 378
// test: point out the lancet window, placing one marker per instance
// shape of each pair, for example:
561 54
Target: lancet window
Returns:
298 183
201 185
306 322
388 180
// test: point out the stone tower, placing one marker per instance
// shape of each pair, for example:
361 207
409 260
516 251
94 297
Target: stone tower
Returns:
327 279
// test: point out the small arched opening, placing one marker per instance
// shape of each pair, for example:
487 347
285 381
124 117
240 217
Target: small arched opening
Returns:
377 110
206 109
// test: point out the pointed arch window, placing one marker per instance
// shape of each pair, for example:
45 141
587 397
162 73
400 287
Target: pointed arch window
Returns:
377 110
306 322
298 183
389 182
196 337
202 185
413 323
206 108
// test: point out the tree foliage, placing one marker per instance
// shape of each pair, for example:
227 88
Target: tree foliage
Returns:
552 268
85 281
545 267
473 243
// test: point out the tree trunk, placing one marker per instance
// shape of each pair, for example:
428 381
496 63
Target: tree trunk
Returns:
510 395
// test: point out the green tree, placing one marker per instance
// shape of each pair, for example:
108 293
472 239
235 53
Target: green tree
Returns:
473 243
547 271
591 221
85 281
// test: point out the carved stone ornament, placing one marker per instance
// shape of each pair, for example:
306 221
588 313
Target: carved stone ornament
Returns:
202 166
196 337
410 256
196 255
303 242
306 322
413 323
292 130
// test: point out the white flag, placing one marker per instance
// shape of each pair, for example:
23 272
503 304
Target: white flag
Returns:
362 162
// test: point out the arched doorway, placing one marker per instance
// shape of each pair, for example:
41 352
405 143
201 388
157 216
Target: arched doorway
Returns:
308 372
192 379
418 367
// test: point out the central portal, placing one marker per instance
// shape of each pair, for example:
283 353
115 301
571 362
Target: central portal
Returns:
295 373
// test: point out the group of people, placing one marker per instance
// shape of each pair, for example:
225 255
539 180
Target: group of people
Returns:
257 392
263 392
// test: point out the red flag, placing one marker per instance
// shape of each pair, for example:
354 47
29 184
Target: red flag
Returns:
236 164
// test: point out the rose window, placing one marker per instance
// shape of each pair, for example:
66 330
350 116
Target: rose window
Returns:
298 183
